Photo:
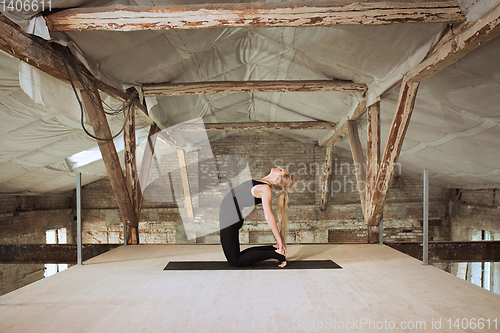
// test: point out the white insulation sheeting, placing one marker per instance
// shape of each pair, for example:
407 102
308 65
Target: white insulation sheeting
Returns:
452 132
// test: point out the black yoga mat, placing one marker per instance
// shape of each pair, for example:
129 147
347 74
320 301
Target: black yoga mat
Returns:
224 265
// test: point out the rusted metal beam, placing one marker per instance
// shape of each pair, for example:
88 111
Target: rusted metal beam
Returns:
472 251
245 87
50 253
254 15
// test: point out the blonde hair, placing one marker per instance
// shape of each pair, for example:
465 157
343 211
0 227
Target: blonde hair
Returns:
287 181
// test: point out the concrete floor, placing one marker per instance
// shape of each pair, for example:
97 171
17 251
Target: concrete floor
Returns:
126 290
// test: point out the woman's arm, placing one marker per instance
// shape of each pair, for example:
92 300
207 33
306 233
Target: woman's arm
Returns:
265 193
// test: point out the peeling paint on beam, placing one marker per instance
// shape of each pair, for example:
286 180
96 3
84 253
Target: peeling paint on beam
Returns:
256 15
50 253
467 38
288 125
204 88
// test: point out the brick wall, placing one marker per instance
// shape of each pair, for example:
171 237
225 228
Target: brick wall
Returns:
162 222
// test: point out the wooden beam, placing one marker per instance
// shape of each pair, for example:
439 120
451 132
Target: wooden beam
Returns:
341 131
245 87
467 37
372 164
464 39
109 156
372 150
50 253
327 174
263 125
359 161
185 182
452 251
253 15
46 57
400 122
131 172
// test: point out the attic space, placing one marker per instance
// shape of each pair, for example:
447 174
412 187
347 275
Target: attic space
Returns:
357 134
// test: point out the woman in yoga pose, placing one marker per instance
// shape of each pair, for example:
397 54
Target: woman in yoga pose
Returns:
248 194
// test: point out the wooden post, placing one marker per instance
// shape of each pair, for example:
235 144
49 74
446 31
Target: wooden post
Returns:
131 172
185 182
372 163
109 155
393 146
327 171
359 161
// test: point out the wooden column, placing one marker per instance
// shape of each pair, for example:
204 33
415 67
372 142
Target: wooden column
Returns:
372 163
131 172
393 146
109 155
359 161
327 172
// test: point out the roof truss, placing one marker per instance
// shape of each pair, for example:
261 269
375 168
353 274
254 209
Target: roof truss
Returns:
254 15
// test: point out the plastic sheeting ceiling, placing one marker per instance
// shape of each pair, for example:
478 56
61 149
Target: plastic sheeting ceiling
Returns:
452 132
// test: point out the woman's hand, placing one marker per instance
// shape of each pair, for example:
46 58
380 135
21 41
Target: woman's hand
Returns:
280 248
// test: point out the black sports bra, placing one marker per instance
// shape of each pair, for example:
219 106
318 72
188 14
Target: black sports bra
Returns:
257 182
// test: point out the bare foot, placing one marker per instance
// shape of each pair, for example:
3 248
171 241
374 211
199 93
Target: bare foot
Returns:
283 264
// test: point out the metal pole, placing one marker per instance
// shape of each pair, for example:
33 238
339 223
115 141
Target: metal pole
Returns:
125 240
426 218
79 217
381 232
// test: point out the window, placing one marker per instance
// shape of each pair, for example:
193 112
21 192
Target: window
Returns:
482 274
55 236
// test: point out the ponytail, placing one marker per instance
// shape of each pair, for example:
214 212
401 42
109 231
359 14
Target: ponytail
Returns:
287 181
283 215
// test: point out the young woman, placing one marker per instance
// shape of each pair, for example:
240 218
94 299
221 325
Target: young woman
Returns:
248 194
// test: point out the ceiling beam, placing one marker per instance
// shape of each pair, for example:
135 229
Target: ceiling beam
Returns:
264 125
342 130
46 57
253 15
232 87
110 157
452 251
466 38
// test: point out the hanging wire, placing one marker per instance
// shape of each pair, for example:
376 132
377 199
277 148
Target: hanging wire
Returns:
100 105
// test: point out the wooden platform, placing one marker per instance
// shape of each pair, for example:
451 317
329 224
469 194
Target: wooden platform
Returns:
127 290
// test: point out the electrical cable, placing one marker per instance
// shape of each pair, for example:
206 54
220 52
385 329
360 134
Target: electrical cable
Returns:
125 105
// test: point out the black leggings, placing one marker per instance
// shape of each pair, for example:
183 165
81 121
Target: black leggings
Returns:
229 238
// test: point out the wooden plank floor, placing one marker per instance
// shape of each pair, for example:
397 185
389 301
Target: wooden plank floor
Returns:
126 290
